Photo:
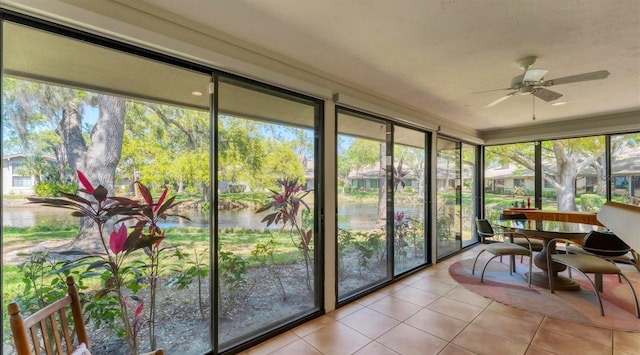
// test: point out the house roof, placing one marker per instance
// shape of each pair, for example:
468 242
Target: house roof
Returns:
15 156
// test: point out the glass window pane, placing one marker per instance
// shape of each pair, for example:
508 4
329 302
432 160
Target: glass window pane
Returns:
267 243
448 197
362 208
625 168
468 193
121 120
576 171
409 199
509 178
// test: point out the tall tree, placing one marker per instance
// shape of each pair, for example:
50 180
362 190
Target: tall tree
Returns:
31 114
359 153
98 158
241 150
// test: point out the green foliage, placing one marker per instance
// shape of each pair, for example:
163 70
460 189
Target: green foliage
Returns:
233 269
55 189
443 228
369 245
590 202
119 273
44 281
103 311
234 287
41 286
285 206
188 269
241 149
263 252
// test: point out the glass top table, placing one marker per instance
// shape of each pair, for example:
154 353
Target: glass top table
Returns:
547 230
550 229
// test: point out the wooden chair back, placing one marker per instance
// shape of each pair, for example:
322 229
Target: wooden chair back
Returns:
48 329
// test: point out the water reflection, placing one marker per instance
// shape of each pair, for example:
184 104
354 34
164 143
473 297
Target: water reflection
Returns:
352 216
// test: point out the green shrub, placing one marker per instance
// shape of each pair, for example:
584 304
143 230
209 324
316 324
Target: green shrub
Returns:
590 202
549 194
53 189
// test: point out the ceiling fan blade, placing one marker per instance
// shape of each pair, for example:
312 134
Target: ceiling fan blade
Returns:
596 75
546 94
534 74
480 92
500 99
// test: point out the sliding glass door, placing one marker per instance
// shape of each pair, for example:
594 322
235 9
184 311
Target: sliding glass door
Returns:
409 200
448 197
83 119
362 258
267 241
381 199
468 194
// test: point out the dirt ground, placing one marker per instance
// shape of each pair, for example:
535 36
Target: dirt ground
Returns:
181 329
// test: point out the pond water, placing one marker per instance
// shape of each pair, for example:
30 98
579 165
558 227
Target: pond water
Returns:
351 216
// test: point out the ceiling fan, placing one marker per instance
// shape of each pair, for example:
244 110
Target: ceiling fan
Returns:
532 82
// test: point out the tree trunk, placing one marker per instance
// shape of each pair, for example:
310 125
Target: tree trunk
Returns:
99 160
566 179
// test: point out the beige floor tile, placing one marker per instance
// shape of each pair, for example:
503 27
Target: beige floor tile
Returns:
516 313
312 325
337 339
299 347
599 335
375 348
562 343
463 311
443 276
393 288
463 295
537 351
369 322
453 349
511 327
483 341
273 344
433 286
345 310
626 341
437 324
412 279
395 308
415 296
408 340
372 298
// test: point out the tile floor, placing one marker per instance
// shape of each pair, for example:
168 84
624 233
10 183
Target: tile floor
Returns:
429 313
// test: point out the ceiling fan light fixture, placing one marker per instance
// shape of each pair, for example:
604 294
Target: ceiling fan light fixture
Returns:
525 90
533 82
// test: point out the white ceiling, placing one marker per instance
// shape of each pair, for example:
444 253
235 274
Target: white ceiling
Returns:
433 55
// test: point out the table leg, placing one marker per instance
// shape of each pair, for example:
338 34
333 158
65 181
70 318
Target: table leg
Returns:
598 282
541 278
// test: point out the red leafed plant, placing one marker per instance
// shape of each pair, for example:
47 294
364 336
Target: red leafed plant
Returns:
145 234
286 206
